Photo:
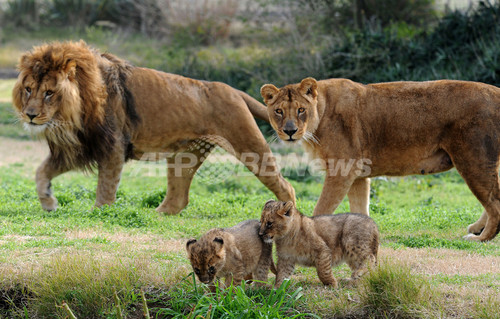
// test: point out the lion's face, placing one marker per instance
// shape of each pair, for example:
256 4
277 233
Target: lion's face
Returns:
41 101
292 109
276 219
207 258
57 86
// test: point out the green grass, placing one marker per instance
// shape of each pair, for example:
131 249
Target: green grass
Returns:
391 291
192 300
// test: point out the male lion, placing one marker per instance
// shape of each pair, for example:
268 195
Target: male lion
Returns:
96 110
398 128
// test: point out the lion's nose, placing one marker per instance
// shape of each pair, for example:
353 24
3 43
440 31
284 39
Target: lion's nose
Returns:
31 115
290 132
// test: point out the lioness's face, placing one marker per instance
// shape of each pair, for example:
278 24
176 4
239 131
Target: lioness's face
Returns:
275 220
292 109
207 258
44 97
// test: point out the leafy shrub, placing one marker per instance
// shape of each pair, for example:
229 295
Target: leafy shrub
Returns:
461 46
25 13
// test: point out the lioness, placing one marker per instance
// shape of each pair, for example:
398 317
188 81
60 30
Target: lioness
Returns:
398 128
96 110
235 253
320 242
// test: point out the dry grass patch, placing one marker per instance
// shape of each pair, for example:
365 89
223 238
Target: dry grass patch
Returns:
433 261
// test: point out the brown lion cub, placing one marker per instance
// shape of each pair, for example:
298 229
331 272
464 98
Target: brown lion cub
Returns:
321 241
235 253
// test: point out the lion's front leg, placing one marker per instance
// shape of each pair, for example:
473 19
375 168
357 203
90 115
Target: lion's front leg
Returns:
359 196
285 269
334 190
108 179
44 174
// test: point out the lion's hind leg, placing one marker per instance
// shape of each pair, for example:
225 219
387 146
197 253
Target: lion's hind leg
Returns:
250 147
180 172
481 175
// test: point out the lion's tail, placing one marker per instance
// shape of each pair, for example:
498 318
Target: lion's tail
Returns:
257 109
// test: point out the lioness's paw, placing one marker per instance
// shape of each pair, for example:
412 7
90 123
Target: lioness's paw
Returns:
471 237
168 210
172 207
475 229
49 203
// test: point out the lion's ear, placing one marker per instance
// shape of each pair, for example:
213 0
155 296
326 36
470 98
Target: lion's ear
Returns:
189 243
219 244
70 69
269 201
188 246
286 210
268 92
309 86
24 62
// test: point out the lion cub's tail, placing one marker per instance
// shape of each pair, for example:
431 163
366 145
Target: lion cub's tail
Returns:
257 109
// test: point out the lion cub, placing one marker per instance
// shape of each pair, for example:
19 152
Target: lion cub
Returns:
321 241
235 253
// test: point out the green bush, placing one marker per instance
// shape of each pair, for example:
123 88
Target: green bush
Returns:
461 46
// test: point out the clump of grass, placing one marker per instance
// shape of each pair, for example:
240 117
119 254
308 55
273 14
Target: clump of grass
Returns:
486 308
391 291
88 285
191 300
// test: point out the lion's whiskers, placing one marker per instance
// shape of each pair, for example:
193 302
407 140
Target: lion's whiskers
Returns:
273 138
310 139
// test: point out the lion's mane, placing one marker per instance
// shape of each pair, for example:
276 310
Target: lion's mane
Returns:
91 88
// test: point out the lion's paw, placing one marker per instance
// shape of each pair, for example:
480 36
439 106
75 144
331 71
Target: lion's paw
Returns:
49 203
471 237
475 229
168 210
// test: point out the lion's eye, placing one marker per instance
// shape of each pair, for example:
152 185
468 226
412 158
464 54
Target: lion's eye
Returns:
28 89
269 224
301 110
211 269
48 93
279 111
197 271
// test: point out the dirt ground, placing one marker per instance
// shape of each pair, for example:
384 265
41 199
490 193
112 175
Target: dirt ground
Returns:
30 153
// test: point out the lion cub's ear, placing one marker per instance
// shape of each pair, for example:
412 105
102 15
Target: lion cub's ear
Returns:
190 242
270 202
219 240
268 92
219 246
286 210
188 246
309 86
